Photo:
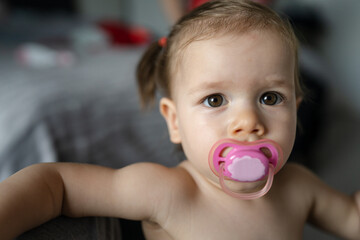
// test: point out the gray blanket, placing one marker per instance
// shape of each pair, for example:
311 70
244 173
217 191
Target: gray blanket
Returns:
85 113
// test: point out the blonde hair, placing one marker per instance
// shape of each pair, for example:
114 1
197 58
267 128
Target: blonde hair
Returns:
212 19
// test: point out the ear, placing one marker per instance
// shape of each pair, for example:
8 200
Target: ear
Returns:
168 111
298 102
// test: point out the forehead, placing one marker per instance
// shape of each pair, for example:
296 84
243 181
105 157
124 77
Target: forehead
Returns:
255 54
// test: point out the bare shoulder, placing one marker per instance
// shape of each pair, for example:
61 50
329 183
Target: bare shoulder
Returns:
302 182
156 175
298 181
150 188
326 207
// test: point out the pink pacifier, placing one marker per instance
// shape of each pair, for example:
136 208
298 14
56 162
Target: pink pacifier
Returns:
246 162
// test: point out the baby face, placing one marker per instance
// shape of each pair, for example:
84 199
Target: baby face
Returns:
233 86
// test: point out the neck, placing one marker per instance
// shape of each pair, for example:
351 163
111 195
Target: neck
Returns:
212 184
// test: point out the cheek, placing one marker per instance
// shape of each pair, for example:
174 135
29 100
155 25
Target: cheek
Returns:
198 134
194 132
285 133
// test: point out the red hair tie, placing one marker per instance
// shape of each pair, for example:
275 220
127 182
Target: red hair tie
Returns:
162 41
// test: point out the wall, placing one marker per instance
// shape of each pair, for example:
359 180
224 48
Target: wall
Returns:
148 13
340 48
343 50
95 9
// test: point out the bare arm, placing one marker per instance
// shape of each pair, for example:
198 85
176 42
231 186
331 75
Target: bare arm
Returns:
334 211
29 198
41 192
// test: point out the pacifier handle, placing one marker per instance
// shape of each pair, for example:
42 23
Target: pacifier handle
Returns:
247 196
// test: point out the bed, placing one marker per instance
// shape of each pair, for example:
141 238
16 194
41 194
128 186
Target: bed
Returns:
88 113
85 113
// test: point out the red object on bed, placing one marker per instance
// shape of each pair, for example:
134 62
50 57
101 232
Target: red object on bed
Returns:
122 34
195 3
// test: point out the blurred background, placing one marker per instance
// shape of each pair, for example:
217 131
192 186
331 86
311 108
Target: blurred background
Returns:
67 88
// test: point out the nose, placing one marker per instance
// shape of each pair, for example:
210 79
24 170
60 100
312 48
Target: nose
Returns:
246 123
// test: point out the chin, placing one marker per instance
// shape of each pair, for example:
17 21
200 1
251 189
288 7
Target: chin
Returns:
245 187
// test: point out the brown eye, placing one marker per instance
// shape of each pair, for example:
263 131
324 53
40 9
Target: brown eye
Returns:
215 100
271 98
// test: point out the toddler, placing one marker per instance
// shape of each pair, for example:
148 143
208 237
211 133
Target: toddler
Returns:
228 76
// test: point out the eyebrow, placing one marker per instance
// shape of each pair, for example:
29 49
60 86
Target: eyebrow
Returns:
215 84
277 81
208 86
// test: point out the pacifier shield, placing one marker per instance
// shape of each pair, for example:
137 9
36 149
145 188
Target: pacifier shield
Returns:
247 169
245 162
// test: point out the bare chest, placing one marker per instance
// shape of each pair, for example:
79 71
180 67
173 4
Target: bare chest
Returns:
207 220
